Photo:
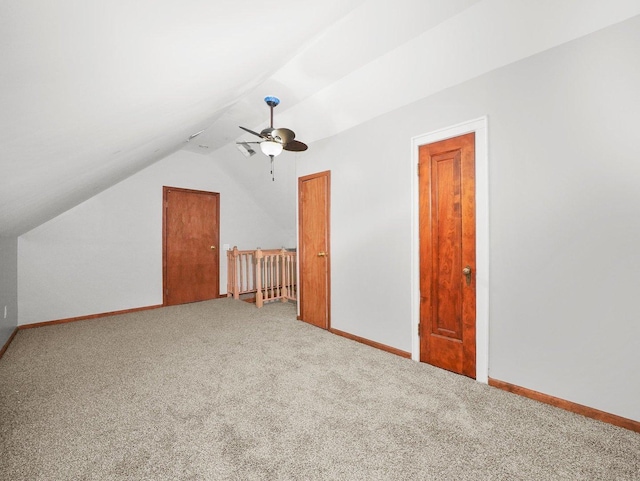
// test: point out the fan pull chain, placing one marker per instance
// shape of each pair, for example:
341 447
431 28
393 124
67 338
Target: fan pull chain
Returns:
273 177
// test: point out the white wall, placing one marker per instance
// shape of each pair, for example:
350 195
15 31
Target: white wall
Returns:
564 210
8 287
564 205
106 254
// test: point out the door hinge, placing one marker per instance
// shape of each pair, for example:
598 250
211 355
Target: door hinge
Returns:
419 331
418 169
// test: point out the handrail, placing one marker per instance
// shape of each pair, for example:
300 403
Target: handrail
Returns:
270 273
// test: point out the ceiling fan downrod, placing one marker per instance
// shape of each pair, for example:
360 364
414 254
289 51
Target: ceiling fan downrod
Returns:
272 102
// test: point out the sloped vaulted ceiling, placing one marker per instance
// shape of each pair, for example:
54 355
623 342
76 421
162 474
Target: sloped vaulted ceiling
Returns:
93 91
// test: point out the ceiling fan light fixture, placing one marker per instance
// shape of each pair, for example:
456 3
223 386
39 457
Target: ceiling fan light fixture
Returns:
270 147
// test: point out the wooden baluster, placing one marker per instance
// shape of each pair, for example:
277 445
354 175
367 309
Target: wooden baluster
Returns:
264 278
271 279
245 280
241 277
247 272
258 279
229 275
289 279
290 289
236 283
255 280
283 277
274 276
281 283
268 268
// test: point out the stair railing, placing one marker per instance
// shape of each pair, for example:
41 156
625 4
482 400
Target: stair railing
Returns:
271 274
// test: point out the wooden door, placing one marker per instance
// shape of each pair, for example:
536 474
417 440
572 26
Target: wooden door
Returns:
447 254
313 228
191 245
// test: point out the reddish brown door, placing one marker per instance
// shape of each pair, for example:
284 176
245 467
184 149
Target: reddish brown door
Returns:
313 212
447 254
191 233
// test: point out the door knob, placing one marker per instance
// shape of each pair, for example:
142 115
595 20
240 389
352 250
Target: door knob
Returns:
467 273
213 247
322 254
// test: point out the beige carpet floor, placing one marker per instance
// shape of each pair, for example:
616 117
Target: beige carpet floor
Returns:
220 390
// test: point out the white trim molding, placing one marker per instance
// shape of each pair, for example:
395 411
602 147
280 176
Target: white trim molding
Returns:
480 127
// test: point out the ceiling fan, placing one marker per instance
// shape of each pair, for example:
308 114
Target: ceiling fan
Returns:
274 141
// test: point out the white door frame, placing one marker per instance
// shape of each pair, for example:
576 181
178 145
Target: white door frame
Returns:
480 127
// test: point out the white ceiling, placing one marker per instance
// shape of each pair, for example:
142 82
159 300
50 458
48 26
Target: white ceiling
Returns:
92 91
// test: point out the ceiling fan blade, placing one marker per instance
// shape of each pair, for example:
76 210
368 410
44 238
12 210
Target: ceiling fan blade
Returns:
285 135
251 131
296 146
